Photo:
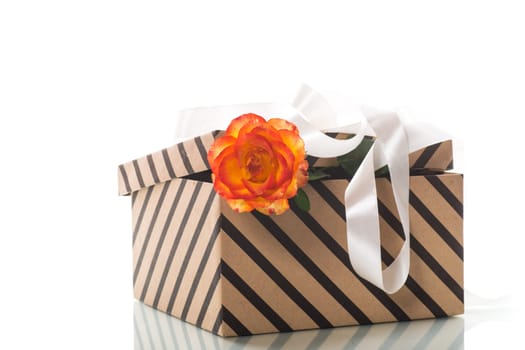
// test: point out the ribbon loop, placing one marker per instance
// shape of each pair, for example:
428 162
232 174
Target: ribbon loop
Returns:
362 213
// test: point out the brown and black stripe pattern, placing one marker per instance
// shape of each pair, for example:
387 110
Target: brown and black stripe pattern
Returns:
435 157
176 251
239 274
185 158
190 157
292 271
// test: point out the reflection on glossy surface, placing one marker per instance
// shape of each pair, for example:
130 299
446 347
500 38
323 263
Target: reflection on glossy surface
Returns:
156 330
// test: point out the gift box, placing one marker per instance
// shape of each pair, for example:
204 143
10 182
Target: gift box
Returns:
240 274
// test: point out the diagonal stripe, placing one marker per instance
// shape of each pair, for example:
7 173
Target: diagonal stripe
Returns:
274 274
189 250
207 300
138 173
202 150
436 225
168 164
200 269
416 289
418 248
330 198
178 237
185 159
312 268
234 323
425 298
162 237
217 322
425 156
446 193
247 314
411 284
134 198
141 214
437 268
391 219
150 230
342 255
153 169
267 288
255 299
426 214
125 178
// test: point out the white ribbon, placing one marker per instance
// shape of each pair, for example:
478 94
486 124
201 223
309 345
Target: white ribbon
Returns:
313 114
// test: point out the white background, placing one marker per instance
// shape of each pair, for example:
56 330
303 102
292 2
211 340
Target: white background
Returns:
86 85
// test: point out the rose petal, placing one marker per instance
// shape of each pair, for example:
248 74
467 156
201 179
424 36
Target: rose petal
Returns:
283 176
254 142
302 174
251 120
281 124
221 189
276 207
260 189
294 143
239 205
286 162
291 190
259 202
248 142
217 148
270 135
229 171
230 174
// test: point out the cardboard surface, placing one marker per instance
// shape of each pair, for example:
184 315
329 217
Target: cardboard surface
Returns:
239 274
190 157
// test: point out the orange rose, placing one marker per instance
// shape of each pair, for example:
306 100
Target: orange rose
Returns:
258 164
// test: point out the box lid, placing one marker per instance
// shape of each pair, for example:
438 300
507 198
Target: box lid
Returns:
190 157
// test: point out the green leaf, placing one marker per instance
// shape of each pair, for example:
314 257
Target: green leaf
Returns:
350 162
302 201
383 172
315 174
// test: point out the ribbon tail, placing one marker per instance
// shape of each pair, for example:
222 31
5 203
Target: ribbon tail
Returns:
362 214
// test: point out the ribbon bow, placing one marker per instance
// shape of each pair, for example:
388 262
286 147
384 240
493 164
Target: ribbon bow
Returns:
312 114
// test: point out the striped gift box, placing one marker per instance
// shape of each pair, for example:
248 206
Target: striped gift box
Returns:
241 274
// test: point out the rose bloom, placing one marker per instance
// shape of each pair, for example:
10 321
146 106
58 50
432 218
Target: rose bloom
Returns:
258 164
